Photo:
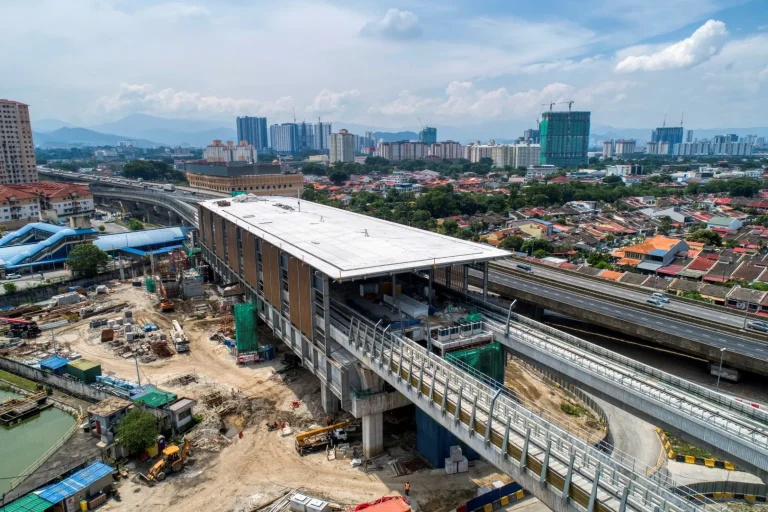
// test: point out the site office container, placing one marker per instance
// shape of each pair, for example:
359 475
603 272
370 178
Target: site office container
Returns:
84 370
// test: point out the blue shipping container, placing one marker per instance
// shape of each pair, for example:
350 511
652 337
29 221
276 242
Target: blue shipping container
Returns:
434 442
266 352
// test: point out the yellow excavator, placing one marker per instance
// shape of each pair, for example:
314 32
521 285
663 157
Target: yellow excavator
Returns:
172 460
318 437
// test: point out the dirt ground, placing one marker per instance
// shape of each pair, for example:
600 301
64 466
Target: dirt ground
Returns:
546 399
239 474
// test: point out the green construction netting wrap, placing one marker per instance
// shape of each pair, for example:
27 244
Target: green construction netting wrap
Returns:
246 334
150 285
488 360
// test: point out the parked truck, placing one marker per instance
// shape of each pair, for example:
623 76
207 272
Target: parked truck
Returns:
169 187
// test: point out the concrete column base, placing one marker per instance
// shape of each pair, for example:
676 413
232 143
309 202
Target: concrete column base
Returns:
331 404
373 435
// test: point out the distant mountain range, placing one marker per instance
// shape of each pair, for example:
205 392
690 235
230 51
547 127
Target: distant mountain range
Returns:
152 131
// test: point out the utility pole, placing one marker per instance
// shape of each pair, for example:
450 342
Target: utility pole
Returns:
138 376
720 371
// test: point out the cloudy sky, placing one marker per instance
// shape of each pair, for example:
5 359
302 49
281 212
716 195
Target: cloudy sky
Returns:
386 63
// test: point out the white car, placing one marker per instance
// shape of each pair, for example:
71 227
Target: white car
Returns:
654 301
660 297
12 276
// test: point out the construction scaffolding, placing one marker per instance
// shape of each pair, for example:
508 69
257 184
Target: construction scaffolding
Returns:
246 331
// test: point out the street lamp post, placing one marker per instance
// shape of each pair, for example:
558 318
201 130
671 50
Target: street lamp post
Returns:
746 312
720 370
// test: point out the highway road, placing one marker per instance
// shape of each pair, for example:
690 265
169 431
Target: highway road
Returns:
726 317
656 321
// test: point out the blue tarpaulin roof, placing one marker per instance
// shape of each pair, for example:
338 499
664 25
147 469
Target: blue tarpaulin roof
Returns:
77 482
53 362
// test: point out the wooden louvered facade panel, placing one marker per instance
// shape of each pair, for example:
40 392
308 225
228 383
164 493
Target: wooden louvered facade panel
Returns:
271 269
250 270
232 250
218 231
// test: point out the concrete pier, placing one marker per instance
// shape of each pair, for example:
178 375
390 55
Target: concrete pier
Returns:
373 434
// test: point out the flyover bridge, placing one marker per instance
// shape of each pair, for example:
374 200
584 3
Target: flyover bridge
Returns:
563 471
734 430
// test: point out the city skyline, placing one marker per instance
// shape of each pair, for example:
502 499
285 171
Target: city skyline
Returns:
626 73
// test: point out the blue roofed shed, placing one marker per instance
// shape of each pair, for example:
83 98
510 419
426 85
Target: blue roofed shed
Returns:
54 364
82 485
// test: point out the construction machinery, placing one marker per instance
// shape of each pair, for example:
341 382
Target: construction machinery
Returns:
21 328
166 305
319 437
172 460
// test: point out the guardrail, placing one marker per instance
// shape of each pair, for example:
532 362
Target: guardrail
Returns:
619 286
506 433
184 210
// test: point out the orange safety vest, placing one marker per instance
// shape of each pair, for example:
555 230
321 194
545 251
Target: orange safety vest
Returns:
407 486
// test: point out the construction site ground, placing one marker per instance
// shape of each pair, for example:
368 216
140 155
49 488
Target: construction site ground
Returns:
233 473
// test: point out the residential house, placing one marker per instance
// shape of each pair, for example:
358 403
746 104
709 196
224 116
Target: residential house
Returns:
722 222
652 254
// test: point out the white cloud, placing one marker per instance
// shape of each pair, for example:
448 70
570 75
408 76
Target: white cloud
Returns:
704 43
405 104
145 98
396 24
329 102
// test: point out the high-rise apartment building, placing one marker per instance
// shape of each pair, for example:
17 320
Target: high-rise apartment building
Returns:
284 137
306 135
17 151
670 134
447 150
607 149
526 155
689 136
365 143
225 153
502 155
625 147
428 135
531 135
341 147
253 130
402 150
321 134
474 152
564 138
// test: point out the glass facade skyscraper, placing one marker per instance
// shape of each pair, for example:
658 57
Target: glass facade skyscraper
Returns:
253 130
564 138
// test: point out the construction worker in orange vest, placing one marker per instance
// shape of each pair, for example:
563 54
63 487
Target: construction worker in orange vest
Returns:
407 488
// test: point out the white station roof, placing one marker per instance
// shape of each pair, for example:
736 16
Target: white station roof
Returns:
346 245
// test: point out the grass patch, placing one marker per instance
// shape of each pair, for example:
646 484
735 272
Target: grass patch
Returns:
681 447
18 381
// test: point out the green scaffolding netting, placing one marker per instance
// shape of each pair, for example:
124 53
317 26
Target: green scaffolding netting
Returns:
150 285
246 333
488 360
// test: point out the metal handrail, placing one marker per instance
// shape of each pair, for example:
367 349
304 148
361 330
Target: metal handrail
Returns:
387 352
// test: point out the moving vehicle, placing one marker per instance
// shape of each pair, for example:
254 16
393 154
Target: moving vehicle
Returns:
525 268
169 187
660 297
172 460
656 302
319 437
11 277
756 325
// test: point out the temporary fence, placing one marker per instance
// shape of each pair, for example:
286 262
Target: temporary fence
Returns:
246 333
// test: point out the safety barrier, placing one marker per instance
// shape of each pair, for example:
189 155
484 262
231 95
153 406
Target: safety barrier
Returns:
508 435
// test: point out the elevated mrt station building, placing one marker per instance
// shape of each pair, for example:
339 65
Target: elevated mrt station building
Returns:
314 268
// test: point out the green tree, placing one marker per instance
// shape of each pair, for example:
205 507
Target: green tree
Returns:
314 169
730 244
138 431
337 176
666 225
135 225
604 265
10 288
152 170
761 220
450 227
706 236
513 243
102 228
540 253
87 259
